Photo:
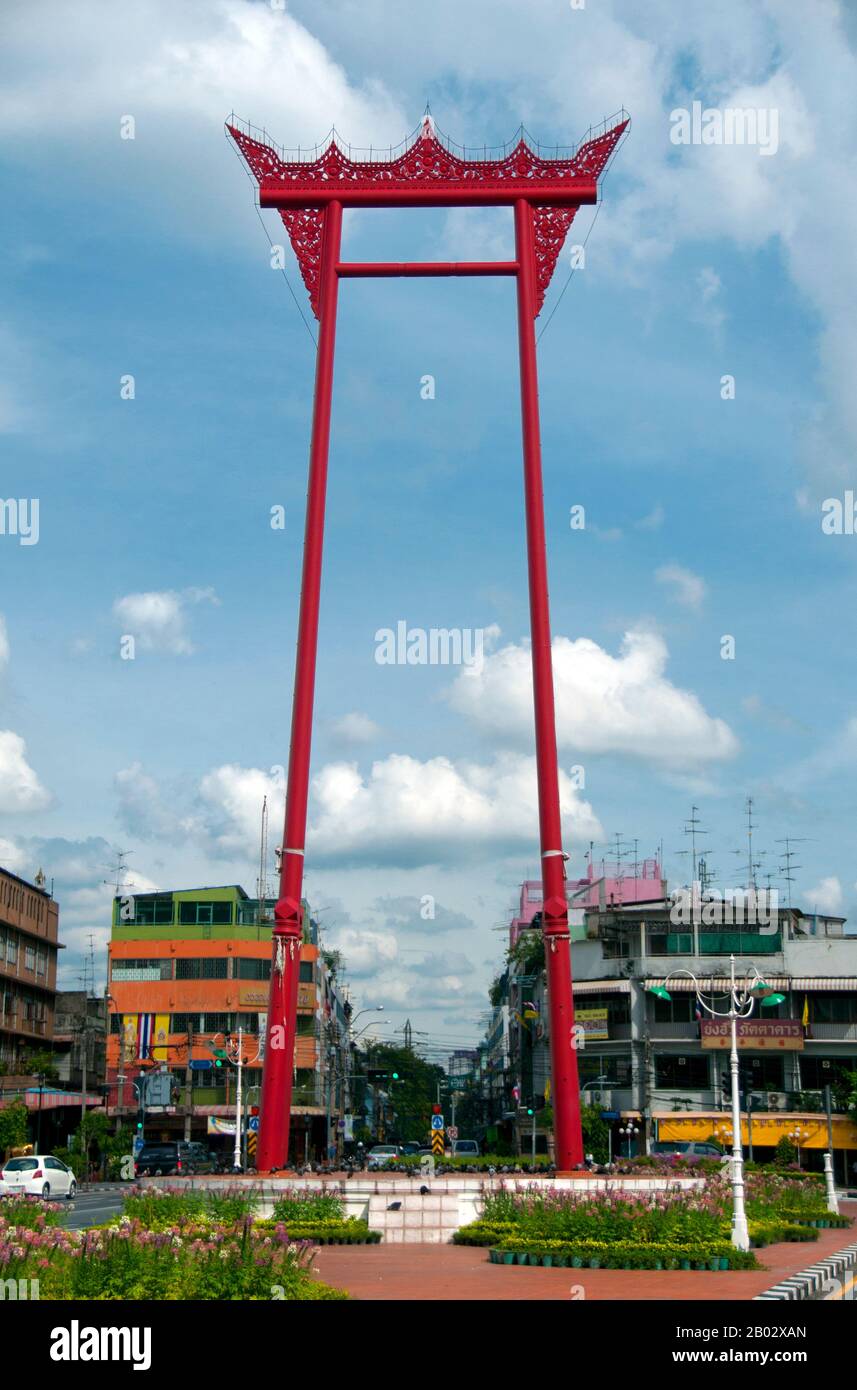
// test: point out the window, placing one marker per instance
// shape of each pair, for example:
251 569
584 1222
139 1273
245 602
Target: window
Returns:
249 969
306 1025
215 1023
761 1071
151 968
833 1008
205 914
202 968
186 1023
662 939
616 1070
213 1078
307 972
679 1009
11 949
30 958
681 1073
618 1006
817 1072
41 962
147 911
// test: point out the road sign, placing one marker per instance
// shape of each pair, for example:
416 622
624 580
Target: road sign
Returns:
453 1131
437 1122
437 1142
202 1065
251 1144
253 1123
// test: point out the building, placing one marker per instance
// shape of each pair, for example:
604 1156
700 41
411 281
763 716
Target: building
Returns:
80 1035
29 942
187 970
656 1061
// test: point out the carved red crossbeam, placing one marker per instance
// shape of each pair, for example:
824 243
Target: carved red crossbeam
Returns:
427 174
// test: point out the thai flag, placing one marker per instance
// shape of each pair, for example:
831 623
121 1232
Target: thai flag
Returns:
145 1034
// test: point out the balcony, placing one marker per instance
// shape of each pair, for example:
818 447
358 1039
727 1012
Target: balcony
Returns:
832 1032
660 1032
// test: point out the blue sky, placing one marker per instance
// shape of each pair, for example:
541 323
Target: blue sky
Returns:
703 516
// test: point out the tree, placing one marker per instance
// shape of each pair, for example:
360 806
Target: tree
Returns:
595 1133
529 952
412 1095
13 1127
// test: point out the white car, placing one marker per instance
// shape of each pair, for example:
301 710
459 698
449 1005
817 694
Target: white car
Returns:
37 1175
382 1154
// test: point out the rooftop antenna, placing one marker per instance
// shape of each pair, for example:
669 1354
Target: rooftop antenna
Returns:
262 884
119 870
788 855
693 828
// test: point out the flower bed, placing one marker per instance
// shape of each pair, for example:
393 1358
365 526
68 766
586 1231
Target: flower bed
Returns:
127 1261
641 1226
593 1254
347 1231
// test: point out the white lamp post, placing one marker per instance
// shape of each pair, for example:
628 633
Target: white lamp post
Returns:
797 1135
629 1130
742 998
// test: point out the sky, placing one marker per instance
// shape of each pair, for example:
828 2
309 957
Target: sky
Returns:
156 381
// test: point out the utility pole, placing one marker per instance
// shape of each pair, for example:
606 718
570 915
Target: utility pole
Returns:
237 1152
188 1098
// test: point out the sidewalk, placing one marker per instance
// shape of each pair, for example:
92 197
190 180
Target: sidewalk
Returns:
463 1272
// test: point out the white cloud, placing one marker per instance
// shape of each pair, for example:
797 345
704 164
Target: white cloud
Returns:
20 788
157 619
408 812
142 809
689 589
354 728
604 704
230 799
826 896
365 951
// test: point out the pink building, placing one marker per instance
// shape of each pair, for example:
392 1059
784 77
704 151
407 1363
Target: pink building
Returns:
604 883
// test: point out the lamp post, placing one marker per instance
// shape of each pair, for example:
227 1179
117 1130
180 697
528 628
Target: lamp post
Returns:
742 999
796 1135
630 1131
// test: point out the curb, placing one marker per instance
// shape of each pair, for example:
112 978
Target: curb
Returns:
810 1285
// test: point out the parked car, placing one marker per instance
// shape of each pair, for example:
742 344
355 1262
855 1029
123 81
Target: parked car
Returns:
465 1148
383 1154
37 1175
410 1150
173 1158
687 1148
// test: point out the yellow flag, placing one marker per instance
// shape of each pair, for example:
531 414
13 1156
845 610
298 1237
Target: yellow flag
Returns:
805 1018
547 1091
161 1037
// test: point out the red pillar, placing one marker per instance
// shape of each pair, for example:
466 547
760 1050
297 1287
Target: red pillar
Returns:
276 1101
565 1091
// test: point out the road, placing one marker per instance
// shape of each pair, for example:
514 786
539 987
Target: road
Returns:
97 1203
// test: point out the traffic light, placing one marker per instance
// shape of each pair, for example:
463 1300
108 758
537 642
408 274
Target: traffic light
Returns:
139 1125
219 1055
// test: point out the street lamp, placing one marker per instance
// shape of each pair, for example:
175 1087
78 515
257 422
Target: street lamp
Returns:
742 999
797 1135
630 1131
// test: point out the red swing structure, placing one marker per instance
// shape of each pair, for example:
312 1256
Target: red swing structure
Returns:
310 195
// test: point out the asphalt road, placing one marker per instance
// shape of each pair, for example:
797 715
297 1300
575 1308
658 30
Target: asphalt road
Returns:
98 1203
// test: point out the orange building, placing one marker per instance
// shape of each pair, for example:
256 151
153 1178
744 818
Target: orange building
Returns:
186 971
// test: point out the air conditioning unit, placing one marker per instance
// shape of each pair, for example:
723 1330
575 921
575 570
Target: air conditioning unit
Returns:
777 1100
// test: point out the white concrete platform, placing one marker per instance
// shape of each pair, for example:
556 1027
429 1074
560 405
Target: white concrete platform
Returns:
398 1208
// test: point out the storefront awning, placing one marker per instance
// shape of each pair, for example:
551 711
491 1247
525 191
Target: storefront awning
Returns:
602 986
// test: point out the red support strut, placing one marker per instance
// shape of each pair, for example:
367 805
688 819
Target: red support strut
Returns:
565 1085
276 1101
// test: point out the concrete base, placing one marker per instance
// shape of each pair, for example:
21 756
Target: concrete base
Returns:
397 1208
